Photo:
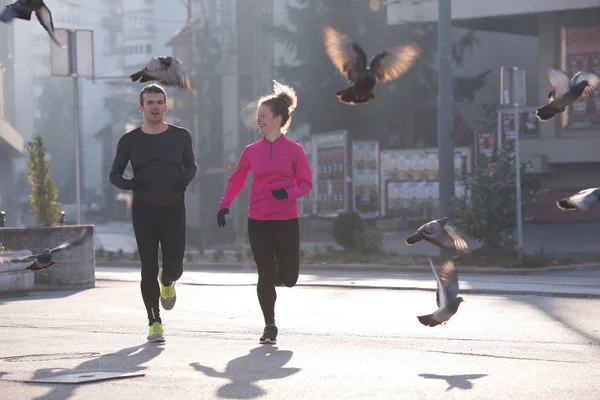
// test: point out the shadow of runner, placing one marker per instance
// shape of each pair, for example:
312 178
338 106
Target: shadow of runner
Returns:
261 363
458 381
129 359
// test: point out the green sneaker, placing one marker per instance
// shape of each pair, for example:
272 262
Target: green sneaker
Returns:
156 333
167 293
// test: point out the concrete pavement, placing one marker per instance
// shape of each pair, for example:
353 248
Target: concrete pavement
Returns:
333 344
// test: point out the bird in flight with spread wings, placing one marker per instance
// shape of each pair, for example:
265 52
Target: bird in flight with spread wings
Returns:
439 233
168 71
22 9
44 260
446 295
350 59
565 91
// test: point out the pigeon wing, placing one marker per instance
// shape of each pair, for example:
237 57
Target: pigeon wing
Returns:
177 73
440 238
71 243
593 82
348 57
457 241
24 259
584 199
559 81
441 298
391 64
44 15
449 278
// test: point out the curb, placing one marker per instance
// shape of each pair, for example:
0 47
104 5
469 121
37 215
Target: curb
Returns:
468 270
405 288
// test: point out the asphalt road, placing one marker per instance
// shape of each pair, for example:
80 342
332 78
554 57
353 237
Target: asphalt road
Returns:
334 343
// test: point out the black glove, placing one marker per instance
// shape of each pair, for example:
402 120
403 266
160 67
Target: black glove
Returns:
221 217
280 194
136 184
180 185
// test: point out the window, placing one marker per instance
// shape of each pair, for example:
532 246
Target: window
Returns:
582 53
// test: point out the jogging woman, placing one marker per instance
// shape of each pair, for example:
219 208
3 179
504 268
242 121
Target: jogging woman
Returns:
280 176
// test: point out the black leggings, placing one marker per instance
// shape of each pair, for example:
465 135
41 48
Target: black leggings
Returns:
270 240
152 225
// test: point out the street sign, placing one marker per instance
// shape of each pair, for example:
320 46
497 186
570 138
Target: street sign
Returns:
78 58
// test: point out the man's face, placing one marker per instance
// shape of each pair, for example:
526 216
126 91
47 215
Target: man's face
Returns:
154 107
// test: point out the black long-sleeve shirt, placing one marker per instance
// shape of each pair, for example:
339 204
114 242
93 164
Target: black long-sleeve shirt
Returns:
160 162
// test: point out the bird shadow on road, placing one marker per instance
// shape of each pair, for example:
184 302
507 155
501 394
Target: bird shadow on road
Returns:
455 381
129 359
261 363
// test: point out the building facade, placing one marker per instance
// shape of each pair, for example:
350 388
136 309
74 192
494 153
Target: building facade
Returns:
564 150
238 71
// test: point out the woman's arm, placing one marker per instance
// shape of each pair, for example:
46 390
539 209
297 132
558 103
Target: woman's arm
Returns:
303 177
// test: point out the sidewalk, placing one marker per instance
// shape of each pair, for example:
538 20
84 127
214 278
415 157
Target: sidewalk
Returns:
560 240
367 268
554 286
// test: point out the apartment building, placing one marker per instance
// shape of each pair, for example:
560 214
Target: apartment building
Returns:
564 150
12 145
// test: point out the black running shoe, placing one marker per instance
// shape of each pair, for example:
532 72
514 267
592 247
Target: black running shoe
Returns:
269 335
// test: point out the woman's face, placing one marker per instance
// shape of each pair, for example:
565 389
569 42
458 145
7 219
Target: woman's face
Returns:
266 121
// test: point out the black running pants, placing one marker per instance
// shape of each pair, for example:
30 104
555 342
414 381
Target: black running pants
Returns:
154 225
270 241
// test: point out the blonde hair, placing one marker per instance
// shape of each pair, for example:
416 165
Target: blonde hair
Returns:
282 102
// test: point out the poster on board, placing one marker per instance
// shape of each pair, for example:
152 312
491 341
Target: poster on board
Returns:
330 177
365 177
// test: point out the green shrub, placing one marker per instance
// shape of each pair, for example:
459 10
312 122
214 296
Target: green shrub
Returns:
346 227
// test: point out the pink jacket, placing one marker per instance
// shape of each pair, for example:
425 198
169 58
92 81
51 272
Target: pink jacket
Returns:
278 165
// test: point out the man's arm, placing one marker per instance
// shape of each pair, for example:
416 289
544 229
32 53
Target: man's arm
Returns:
120 163
189 160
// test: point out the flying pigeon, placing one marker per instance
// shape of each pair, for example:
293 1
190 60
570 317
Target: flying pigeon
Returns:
168 71
446 295
565 92
583 200
439 233
44 260
22 9
351 60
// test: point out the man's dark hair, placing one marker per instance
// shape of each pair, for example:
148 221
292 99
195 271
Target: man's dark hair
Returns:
153 88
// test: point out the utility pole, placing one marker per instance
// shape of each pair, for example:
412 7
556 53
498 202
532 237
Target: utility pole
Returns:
75 61
514 94
72 46
445 111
